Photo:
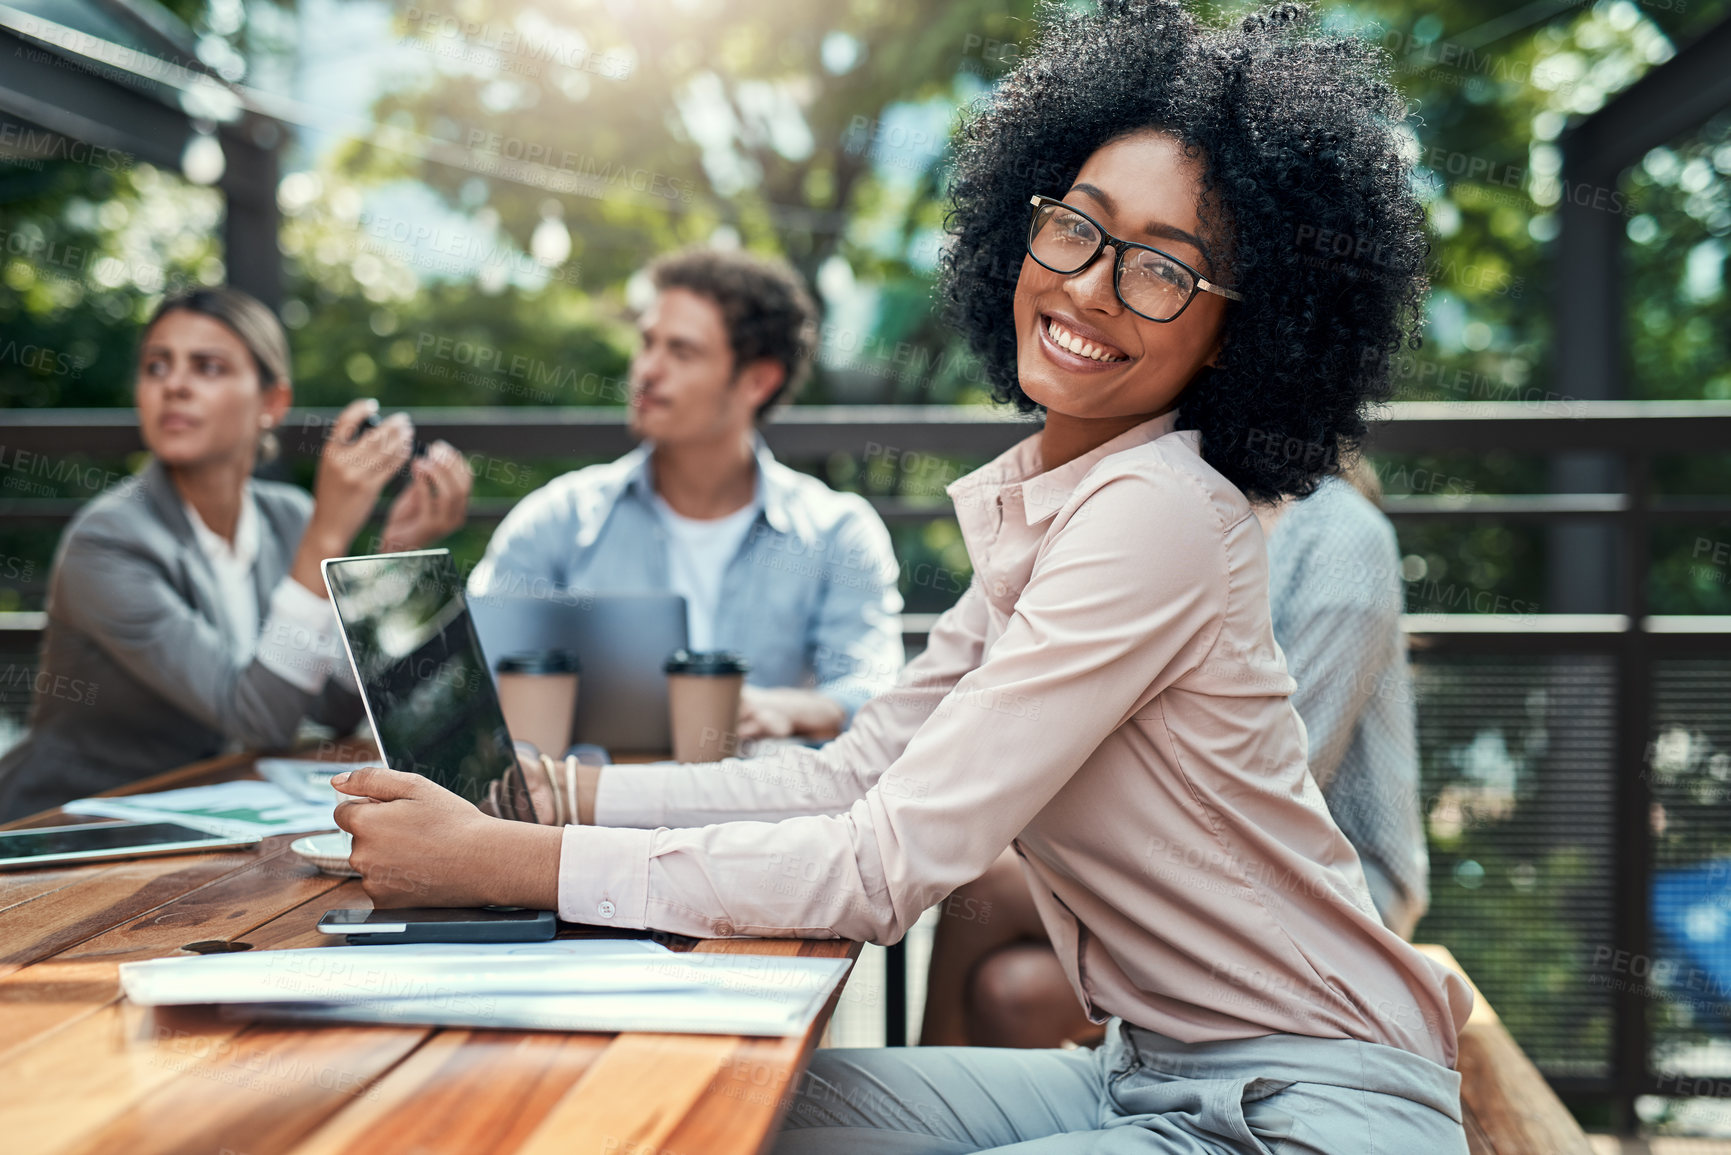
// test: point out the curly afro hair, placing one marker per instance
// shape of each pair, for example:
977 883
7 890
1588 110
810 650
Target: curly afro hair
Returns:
1306 180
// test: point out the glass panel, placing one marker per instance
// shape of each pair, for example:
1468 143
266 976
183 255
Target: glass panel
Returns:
1688 764
1516 768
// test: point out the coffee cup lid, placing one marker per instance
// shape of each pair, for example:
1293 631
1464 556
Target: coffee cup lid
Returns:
711 662
539 662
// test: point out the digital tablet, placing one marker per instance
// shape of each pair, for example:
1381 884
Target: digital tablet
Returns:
94 841
423 680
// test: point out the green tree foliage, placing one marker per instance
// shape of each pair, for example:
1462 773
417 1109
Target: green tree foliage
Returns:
473 241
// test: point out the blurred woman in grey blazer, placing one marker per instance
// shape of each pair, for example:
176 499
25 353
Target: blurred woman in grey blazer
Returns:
186 611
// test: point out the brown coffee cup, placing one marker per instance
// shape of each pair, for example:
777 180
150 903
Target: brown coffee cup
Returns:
538 692
703 703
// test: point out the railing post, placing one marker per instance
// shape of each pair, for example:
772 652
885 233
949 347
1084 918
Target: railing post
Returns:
896 994
1632 1038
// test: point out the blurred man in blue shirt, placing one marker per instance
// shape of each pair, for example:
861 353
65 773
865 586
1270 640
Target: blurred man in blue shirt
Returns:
772 563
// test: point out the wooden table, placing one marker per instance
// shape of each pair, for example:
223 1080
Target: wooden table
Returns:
82 1070
1506 1105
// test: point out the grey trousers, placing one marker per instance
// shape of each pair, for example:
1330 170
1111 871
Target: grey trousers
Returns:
1139 1092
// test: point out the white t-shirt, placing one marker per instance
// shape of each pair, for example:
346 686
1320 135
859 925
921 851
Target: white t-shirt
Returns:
698 551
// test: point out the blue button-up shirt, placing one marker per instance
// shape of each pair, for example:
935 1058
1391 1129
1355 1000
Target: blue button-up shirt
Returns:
810 599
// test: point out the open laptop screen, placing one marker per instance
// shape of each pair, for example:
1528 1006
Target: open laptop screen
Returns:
425 683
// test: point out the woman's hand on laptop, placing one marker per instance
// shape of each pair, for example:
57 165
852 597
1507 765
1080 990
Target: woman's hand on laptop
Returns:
418 844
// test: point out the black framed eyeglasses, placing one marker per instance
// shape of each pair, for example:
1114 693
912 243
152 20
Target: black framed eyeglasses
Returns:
1150 283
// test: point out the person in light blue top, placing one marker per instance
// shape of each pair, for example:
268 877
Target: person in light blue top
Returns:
1335 590
772 563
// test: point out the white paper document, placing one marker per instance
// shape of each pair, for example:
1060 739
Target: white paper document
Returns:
236 809
307 779
565 985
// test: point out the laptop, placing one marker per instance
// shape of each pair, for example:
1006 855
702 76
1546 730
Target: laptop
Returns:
420 669
621 641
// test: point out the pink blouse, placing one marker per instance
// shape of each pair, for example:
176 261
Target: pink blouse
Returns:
1107 697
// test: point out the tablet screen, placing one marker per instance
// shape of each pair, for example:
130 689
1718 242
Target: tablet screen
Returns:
420 668
49 844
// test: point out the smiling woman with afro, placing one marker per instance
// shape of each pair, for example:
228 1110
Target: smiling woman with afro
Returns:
1137 214
1306 181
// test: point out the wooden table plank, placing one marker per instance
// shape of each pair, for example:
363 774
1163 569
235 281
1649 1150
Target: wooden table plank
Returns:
106 1075
461 1092
742 1110
82 1071
261 1092
45 996
54 1093
80 1056
634 1096
68 915
18 886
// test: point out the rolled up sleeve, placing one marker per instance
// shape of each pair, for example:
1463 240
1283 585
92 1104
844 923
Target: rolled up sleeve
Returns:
299 641
1126 597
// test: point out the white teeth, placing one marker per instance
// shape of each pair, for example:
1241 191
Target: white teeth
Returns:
1068 340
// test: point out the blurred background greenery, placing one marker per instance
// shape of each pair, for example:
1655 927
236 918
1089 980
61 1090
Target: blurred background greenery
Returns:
495 171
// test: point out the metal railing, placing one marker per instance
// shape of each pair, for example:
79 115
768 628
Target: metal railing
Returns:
1635 432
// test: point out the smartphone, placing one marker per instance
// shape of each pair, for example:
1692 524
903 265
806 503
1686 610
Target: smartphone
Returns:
371 421
441 924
